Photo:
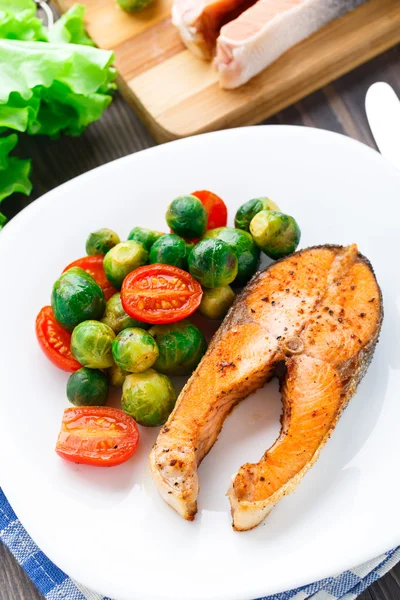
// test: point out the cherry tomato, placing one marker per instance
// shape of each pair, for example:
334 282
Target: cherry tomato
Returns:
94 266
160 294
55 341
215 207
97 435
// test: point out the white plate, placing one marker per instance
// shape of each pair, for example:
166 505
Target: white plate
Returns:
108 528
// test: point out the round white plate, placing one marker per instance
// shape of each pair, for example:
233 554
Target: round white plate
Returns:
108 528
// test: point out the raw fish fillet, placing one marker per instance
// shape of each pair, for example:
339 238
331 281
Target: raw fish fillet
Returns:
261 34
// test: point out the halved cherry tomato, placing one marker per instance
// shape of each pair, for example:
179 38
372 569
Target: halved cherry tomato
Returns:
97 435
94 266
215 207
55 341
160 294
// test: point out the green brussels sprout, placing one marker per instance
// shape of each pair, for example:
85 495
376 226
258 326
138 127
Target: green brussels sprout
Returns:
76 297
134 350
148 397
144 236
181 346
116 318
213 263
170 249
243 245
122 260
133 5
87 387
216 302
276 234
187 217
249 209
101 241
91 344
116 376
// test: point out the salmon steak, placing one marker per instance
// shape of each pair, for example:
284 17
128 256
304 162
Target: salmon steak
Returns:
312 319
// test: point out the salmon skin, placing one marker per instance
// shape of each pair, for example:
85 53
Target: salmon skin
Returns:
318 313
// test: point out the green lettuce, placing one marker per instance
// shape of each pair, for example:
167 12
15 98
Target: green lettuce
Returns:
50 89
14 172
52 82
18 21
69 29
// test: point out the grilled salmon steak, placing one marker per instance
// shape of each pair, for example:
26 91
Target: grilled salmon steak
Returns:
316 313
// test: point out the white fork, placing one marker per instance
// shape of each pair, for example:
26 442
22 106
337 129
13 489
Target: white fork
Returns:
43 4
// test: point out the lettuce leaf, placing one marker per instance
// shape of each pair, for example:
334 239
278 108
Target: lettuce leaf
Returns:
14 172
51 82
50 89
18 21
69 29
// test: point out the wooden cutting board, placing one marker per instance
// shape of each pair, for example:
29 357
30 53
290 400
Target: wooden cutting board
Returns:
177 94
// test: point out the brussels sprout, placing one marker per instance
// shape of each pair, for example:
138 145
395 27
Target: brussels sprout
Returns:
116 318
276 234
116 376
122 259
170 249
101 241
91 344
148 397
134 350
181 347
146 237
216 302
133 5
243 245
76 297
87 387
249 209
213 263
187 217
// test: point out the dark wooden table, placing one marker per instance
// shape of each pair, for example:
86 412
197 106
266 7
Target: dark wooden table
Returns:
339 107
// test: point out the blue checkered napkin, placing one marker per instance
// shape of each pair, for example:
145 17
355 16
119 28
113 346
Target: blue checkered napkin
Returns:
56 585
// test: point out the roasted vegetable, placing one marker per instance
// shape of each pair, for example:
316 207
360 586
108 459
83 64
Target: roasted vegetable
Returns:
122 260
181 347
249 209
134 350
116 318
87 387
91 344
116 376
148 397
187 217
170 249
243 245
144 236
216 302
101 241
76 297
277 235
213 263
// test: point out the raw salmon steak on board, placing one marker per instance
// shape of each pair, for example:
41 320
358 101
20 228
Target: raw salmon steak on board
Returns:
250 35
318 314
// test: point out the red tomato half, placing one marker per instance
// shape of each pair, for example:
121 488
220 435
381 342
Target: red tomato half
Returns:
94 266
97 435
160 294
55 341
215 207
